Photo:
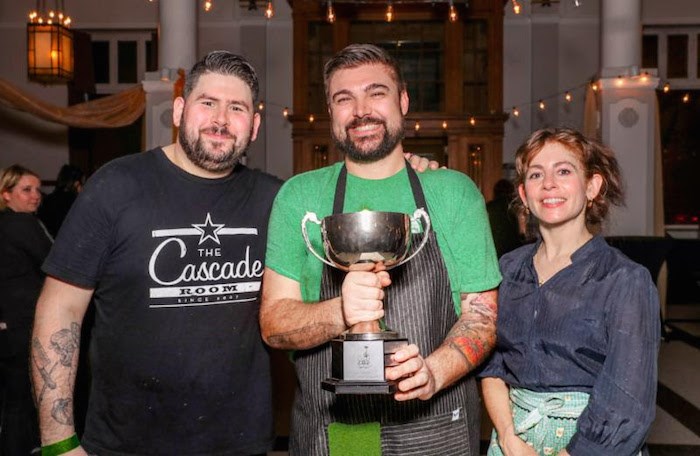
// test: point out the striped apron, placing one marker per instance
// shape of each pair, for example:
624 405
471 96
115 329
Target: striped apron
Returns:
419 305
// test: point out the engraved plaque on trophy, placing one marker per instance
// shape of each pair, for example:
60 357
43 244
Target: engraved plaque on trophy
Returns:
360 355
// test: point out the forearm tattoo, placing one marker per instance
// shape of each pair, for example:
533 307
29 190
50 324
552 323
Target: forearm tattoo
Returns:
63 351
474 334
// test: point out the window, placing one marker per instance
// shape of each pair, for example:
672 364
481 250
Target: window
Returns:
320 51
419 48
120 58
675 51
475 67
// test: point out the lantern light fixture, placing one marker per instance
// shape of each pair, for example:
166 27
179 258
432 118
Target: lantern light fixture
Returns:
49 44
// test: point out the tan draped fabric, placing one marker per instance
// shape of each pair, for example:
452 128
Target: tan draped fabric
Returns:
591 114
113 111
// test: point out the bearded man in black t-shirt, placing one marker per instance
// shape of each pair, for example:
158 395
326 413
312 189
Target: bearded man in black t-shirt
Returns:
170 246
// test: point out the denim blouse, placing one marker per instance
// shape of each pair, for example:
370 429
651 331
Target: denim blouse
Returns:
593 327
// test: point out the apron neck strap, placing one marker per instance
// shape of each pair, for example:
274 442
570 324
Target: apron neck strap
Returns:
416 188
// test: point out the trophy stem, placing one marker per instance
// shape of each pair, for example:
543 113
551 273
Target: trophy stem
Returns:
366 327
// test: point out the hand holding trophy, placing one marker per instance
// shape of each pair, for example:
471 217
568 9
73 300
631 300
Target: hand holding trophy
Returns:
383 241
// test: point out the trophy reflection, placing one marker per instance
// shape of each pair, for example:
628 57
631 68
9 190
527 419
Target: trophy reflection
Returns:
360 355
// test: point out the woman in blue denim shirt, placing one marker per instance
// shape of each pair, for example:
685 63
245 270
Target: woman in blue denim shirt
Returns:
575 367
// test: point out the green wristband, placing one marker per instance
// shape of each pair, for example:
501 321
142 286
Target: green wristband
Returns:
60 447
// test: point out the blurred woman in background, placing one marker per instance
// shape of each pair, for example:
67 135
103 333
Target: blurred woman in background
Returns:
24 243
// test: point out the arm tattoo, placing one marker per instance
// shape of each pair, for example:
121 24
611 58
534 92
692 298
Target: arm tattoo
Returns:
65 343
474 334
62 411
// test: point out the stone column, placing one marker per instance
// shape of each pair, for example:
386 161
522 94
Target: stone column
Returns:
177 48
177 34
621 37
628 114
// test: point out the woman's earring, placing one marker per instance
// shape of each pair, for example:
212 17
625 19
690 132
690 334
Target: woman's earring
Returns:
527 210
590 203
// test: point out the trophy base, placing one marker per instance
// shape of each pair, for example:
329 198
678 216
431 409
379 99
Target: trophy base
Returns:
339 386
358 362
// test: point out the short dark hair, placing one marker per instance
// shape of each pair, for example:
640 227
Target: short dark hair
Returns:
68 176
596 159
356 55
227 64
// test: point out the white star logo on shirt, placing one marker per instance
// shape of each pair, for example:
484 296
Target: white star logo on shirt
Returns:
208 230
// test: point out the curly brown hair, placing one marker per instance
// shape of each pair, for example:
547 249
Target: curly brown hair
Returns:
596 159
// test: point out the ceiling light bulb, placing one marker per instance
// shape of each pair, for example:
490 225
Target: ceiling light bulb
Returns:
330 15
516 7
453 12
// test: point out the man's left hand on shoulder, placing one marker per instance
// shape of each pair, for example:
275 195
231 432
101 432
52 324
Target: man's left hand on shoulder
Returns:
419 163
414 378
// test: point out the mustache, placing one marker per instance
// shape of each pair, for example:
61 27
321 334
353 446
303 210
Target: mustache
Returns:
365 121
215 130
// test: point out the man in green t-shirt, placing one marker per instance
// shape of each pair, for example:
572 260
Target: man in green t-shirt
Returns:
443 300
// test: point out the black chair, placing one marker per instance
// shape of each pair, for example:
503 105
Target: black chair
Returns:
649 251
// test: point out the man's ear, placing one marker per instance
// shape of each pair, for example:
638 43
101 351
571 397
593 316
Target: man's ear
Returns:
403 98
178 108
256 125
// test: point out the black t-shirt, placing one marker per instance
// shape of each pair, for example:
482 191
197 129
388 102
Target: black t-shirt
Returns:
176 261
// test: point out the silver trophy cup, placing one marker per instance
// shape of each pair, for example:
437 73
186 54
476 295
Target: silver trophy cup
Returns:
360 355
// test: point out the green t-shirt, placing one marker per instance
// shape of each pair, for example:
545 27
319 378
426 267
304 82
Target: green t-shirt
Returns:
455 205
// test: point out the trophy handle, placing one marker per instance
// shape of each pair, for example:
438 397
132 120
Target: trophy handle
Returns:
312 217
420 212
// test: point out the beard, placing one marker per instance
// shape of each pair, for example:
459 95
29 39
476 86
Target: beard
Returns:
203 155
356 153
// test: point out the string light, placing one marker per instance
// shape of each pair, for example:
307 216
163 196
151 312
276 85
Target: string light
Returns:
261 106
207 5
416 126
444 125
472 121
667 88
516 112
389 12
568 97
285 112
453 12
686 98
330 13
619 81
594 86
311 118
269 11
541 105
516 6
